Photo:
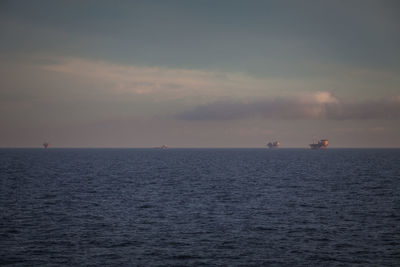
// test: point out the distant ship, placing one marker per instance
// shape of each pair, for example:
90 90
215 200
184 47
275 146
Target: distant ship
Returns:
45 145
322 144
274 144
162 147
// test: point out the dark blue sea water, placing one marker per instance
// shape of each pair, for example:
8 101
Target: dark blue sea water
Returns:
184 207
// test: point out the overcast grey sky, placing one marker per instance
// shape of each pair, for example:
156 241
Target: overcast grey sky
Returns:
199 73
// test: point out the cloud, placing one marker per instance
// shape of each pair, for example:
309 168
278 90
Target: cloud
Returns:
200 86
318 105
161 83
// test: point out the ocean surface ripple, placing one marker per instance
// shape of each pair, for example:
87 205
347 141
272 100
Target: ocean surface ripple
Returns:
185 207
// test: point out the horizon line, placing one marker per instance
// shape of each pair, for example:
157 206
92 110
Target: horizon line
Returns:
178 147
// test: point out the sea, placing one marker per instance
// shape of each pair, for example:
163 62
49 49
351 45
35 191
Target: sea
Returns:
199 207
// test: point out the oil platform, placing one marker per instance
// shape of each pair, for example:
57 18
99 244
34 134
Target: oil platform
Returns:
322 144
274 144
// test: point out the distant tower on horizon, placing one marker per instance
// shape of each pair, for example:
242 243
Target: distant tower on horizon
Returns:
46 145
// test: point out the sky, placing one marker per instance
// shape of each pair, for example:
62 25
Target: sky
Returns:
199 73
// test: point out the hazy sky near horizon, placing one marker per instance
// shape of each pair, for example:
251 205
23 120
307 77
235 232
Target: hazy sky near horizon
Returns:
199 73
